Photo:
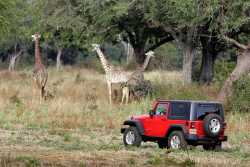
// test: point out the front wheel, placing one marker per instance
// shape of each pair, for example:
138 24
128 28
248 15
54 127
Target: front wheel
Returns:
132 137
176 140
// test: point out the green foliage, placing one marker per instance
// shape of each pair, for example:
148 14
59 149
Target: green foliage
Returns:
222 70
181 13
168 58
240 101
234 15
178 91
4 19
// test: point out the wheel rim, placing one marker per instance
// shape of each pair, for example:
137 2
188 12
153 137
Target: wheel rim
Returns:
175 142
130 138
214 125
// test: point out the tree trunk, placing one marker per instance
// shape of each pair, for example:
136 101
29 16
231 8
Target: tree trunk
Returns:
242 67
209 54
129 50
58 59
130 53
139 55
207 66
12 63
13 59
188 55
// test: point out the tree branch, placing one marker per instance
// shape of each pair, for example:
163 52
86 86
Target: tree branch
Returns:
237 44
161 42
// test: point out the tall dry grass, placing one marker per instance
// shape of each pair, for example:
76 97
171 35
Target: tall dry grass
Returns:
79 117
81 99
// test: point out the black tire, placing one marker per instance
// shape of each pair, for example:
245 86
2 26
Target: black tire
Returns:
212 119
136 141
177 135
162 143
212 147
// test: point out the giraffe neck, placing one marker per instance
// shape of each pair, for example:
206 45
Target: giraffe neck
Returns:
145 64
38 61
104 61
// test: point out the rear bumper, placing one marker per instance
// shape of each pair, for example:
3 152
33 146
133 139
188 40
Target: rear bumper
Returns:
194 139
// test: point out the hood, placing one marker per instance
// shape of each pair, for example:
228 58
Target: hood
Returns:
140 117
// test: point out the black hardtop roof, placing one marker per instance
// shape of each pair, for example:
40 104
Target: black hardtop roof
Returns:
190 101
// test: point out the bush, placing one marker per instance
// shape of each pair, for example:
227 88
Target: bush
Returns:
222 69
240 100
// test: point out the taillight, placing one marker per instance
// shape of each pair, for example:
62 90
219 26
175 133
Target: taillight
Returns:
192 125
192 129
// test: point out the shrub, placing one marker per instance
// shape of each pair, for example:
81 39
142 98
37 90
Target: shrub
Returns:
222 70
240 100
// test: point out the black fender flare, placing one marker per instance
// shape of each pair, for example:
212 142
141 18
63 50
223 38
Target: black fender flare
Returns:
176 127
135 123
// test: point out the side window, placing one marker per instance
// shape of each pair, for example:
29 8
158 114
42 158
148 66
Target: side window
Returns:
161 109
180 111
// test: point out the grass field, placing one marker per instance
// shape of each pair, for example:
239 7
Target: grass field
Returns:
77 127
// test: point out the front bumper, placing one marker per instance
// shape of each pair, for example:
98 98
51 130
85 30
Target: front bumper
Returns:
194 139
123 130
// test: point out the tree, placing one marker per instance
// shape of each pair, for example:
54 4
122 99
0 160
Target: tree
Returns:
109 19
233 17
13 41
65 25
184 20
211 47
4 6
242 67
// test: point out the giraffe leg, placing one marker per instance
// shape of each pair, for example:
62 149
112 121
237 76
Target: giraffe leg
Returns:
127 94
34 92
123 94
110 92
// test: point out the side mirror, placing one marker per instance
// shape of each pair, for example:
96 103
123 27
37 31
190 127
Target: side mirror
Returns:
151 113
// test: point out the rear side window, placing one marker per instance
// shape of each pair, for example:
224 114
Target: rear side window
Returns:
180 110
203 109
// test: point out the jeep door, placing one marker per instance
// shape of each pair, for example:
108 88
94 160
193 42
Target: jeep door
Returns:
157 125
179 114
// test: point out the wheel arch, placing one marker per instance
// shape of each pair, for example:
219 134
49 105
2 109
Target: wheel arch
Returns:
136 124
176 128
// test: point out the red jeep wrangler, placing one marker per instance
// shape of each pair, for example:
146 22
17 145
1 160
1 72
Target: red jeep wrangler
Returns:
175 124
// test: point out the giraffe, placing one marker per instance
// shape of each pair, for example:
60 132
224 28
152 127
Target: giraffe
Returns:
135 78
113 75
40 75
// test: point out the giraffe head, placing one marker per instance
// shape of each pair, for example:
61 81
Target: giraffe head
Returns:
95 46
150 53
36 36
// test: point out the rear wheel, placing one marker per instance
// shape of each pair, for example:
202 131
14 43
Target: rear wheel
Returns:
212 125
176 140
132 137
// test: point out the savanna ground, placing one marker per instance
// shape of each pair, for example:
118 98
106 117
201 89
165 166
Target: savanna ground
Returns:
79 128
